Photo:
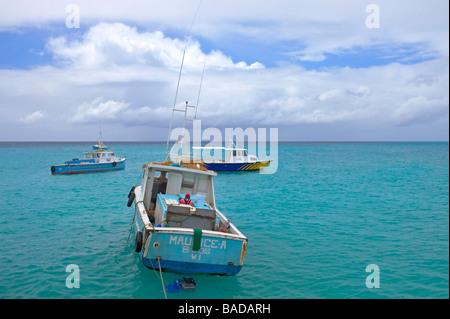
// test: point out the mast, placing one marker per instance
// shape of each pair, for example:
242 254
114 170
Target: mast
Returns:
200 88
99 132
182 141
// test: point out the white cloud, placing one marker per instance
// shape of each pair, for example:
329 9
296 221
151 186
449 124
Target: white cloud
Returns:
97 110
136 95
326 27
127 75
32 118
116 112
306 56
420 109
294 96
106 45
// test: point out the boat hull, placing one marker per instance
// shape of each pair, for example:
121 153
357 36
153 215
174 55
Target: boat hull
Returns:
192 268
186 250
171 250
175 237
81 168
253 166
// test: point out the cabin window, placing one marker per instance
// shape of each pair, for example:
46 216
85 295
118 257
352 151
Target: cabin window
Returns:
245 153
234 153
174 183
188 183
203 185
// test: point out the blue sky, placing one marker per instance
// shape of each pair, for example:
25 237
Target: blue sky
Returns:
25 48
314 70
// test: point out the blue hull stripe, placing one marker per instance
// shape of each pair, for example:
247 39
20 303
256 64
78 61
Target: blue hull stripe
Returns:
224 167
232 166
87 168
193 268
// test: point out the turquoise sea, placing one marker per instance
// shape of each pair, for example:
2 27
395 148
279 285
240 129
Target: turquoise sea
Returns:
329 211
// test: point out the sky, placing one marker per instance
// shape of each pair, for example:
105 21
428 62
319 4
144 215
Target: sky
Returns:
325 70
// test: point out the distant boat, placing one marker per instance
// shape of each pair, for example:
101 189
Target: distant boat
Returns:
100 147
100 159
236 159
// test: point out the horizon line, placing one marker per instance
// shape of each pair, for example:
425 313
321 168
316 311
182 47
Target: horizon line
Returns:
286 141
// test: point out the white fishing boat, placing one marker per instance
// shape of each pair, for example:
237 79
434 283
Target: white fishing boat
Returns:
173 235
100 159
236 159
179 233
177 237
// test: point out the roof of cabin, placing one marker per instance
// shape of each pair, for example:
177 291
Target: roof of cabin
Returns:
182 166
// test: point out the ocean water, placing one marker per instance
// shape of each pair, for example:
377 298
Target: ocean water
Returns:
329 211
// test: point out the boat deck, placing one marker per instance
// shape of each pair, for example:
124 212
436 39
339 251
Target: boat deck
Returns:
171 213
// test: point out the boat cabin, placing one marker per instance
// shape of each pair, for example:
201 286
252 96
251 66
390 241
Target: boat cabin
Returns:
164 185
238 155
101 156
232 155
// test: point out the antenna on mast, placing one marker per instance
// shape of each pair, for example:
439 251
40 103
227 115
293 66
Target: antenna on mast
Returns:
199 89
100 131
178 85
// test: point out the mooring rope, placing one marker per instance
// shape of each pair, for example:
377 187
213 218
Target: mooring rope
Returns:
158 258
160 273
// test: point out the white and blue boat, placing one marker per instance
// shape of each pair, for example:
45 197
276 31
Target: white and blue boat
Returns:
236 159
175 237
100 159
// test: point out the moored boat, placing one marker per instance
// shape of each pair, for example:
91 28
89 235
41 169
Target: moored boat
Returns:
179 233
176 237
236 159
100 159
